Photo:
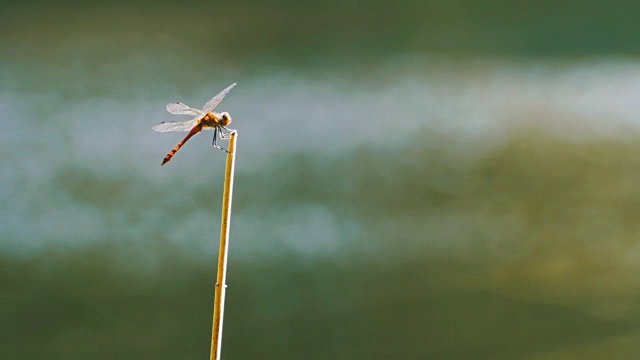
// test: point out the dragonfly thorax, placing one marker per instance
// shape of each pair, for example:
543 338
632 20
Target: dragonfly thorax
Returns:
214 120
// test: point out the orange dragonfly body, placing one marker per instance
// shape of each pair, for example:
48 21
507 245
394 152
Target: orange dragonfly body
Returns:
205 119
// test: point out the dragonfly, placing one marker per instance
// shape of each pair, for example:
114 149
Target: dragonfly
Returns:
204 119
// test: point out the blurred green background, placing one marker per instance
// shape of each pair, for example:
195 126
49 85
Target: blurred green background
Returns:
415 179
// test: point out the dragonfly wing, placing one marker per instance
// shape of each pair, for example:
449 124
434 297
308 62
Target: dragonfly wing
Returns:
180 108
176 125
211 104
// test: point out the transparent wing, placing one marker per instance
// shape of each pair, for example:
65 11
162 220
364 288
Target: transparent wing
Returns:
180 108
176 125
211 104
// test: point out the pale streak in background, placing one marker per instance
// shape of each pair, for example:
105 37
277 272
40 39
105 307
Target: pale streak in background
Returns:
475 102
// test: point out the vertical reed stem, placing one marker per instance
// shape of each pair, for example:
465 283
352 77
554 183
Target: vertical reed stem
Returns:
218 307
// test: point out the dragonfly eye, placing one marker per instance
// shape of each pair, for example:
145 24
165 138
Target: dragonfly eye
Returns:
226 119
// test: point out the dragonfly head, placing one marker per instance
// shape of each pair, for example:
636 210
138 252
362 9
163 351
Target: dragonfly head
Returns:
225 119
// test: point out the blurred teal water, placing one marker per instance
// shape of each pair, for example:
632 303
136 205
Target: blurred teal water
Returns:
424 180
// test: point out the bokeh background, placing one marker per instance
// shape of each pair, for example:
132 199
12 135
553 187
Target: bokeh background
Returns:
415 179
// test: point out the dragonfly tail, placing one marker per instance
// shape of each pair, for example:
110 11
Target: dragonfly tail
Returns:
196 129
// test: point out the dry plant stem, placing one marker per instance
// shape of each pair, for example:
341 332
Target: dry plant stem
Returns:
218 307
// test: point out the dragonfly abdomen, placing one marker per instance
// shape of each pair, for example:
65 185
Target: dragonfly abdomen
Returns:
196 129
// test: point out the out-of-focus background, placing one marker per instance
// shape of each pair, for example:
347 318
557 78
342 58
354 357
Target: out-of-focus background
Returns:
415 179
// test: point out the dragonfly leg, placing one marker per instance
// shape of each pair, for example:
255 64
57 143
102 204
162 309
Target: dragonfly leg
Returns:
215 138
227 135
